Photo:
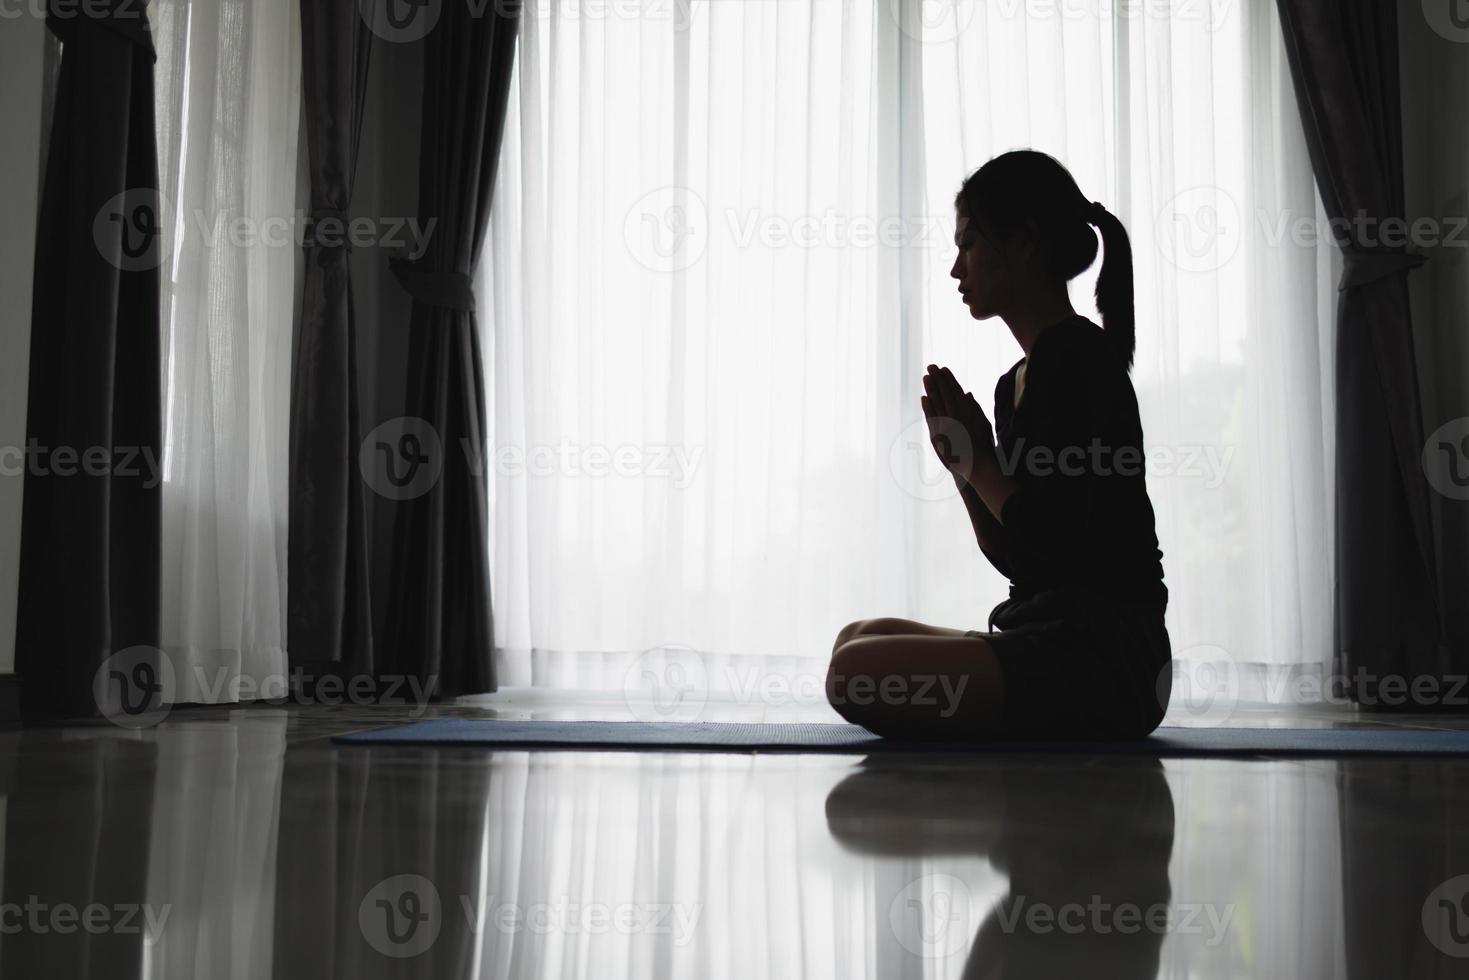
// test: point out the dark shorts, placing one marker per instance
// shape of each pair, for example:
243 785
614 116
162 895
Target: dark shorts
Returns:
1078 665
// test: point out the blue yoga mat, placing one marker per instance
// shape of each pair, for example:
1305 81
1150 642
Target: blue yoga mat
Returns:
623 736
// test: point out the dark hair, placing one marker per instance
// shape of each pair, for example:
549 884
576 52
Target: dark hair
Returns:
1026 185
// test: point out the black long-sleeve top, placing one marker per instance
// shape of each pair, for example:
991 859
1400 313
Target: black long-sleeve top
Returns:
1083 518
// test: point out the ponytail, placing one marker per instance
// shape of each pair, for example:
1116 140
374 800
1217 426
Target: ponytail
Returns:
1114 284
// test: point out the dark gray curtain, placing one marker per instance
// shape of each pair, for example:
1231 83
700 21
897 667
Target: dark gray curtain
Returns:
440 626
1344 59
89 556
328 608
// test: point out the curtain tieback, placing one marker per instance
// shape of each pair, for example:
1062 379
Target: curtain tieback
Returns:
1364 265
449 290
333 235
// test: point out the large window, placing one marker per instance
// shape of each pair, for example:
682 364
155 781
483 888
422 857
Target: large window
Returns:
719 264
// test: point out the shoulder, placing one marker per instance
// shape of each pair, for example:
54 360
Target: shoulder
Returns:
1077 347
1078 335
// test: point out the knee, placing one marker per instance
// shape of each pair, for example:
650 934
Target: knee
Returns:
882 626
860 657
849 632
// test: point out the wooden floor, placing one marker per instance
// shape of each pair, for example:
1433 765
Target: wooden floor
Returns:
240 842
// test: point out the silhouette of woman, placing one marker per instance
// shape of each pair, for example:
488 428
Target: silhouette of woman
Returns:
1055 491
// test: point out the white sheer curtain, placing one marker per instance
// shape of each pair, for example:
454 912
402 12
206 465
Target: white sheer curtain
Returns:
228 102
719 263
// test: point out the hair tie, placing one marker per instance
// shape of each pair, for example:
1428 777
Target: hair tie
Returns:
1094 212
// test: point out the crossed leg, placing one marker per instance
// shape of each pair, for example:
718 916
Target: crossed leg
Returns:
903 679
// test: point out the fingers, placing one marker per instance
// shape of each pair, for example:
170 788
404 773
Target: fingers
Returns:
937 398
956 389
945 394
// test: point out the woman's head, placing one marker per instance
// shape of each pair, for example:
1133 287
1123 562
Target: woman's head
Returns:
1023 226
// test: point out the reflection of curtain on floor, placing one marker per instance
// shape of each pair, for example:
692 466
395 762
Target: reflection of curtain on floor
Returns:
212 845
1391 882
352 820
89 555
1260 844
733 854
78 822
1344 59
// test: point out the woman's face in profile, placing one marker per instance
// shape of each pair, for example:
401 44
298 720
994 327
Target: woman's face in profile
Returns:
982 272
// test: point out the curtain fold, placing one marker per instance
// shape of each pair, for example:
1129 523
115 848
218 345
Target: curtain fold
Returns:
328 608
441 623
89 561
1344 61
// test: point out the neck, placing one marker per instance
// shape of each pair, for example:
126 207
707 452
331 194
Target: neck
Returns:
1027 318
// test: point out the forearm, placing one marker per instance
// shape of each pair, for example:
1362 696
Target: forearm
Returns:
987 530
991 484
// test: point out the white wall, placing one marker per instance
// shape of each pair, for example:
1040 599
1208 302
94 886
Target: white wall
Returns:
21 52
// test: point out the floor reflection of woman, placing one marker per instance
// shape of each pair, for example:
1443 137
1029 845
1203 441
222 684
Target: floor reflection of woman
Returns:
1089 893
